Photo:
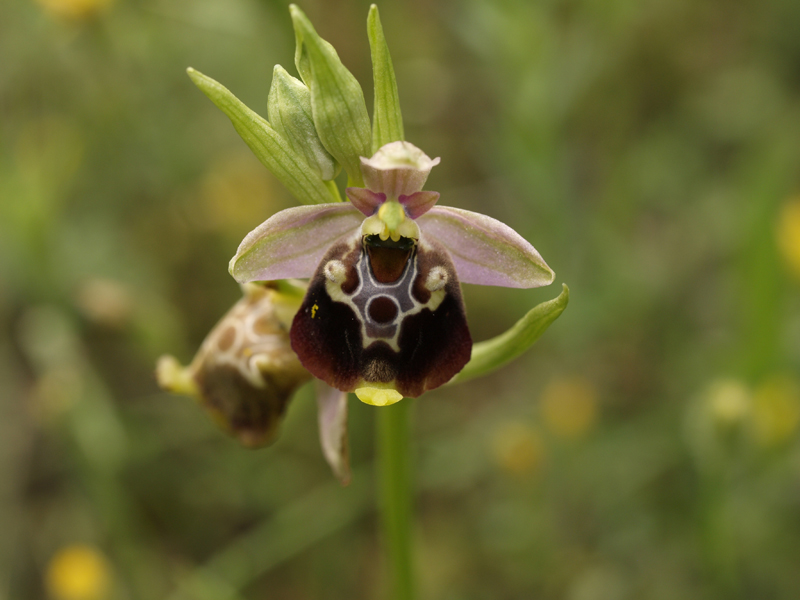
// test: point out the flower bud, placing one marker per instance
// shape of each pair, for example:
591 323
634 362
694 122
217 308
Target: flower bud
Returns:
245 371
289 110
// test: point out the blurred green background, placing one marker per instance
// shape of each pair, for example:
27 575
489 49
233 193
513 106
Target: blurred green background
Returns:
647 446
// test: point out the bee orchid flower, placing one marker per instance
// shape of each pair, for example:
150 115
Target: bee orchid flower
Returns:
383 315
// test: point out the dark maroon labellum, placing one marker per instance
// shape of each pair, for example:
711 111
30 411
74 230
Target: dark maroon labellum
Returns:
383 312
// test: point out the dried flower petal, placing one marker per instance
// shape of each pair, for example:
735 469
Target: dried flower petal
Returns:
245 372
332 416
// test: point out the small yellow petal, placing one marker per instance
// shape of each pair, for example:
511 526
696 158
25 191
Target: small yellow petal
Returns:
409 229
372 226
378 396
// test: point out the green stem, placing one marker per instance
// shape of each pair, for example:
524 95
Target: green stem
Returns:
334 190
395 496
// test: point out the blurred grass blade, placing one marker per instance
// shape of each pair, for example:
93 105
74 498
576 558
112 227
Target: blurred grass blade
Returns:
282 536
272 150
493 354
387 120
337 101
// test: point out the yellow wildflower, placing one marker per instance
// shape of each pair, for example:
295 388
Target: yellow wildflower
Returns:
729 401
74 9
518 448
788 234
78 572
776 410
569 407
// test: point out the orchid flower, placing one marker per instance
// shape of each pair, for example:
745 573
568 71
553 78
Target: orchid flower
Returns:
382 315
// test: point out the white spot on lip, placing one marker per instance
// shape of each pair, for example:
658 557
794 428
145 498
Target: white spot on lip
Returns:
335 271
436 279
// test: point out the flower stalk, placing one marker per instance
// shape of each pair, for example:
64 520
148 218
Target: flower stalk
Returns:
393 430
393 433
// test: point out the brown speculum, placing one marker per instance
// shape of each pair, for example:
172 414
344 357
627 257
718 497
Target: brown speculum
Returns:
387 258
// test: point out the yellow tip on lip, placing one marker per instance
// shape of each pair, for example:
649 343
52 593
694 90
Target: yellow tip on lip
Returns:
378 396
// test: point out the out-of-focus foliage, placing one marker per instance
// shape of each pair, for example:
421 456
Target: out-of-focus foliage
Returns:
646 448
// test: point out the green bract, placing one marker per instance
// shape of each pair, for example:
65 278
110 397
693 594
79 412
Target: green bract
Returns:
494 353
387 122
337 101
271 149
289 110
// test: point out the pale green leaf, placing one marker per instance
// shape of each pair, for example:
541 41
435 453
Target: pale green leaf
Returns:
387 120
494 353
271 149
337 101
289 110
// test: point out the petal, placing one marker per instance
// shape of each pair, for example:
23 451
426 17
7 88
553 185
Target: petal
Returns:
419 203
332 414
484 250
365 200
383 317
291 243
376 396
397 169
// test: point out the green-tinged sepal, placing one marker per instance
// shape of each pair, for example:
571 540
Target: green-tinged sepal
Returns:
337 101
496 352
289 110
387 120
272 150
